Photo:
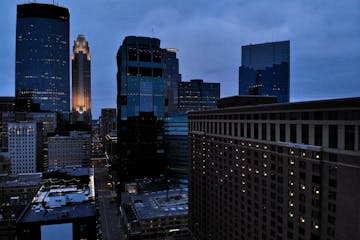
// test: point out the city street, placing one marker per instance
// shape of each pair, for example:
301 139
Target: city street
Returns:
109 212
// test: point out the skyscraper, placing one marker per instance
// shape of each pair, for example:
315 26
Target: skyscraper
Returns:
276 171
81 81
142 104
25 147
265 70
174 78
42 58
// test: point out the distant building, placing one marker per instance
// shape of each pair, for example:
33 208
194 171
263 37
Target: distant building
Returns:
110 144
156 215
73 150
81 81
174 78
5 164
42 40
107 121
7 104
62 207
25 147
276 171
198 95
176 136
265 70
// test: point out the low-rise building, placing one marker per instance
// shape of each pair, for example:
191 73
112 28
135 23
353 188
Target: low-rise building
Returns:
61 209
156 215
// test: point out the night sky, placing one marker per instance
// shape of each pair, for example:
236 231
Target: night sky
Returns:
324 38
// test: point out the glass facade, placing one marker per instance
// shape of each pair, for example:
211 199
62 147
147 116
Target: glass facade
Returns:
265 70
42 57
142 83
176 134
198 96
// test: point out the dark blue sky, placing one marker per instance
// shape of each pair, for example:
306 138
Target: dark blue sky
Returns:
324 38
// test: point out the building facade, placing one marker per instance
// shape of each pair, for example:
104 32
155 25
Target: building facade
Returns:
25 147
265 70
176 132
197 95
81 81
107 121
142 104
42 40
276 171
73 150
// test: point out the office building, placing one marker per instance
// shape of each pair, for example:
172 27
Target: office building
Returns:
156 214
107 121
197 95
81 81
63 208
276 171
7 104
25 147
174 78
142 83
176 131
265 70
42 58
73 150
142 104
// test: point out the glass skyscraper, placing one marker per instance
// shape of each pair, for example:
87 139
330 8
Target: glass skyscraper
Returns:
265 70
42 57
141 78
142 105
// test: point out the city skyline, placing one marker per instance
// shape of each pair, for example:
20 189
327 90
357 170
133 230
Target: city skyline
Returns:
322 48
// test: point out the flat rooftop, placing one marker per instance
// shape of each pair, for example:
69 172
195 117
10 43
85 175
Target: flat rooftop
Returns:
65 212
30 179
160 204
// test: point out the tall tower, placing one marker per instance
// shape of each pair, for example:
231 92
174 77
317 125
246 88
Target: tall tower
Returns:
142 105
81 81
265 70
42 58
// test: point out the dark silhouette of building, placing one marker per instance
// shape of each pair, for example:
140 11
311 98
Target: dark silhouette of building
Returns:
81 81
265 70
142 104
276 171
174 78
107 121
42 58
198 95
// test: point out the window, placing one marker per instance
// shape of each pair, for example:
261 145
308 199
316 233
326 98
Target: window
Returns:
349 137
256 131
272 132
333 136
318 135
242 130
248 130
263 131
293 133
282 133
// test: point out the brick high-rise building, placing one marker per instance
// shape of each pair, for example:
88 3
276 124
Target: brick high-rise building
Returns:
276 171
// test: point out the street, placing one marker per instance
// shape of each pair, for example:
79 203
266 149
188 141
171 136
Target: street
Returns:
109 212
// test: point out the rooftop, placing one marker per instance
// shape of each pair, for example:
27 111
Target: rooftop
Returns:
62 199
160 204
29 179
